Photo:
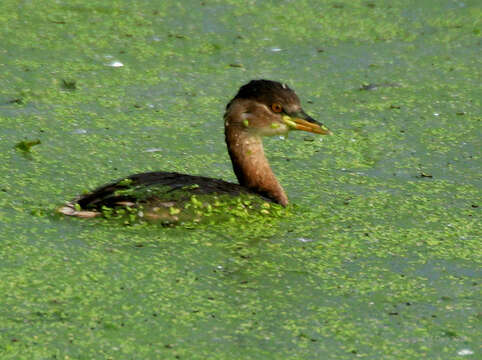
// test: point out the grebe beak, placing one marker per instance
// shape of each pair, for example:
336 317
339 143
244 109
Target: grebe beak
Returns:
302 121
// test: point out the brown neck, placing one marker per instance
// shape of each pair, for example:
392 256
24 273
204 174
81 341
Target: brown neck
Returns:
250 164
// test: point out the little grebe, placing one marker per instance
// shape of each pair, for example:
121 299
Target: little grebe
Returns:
260 108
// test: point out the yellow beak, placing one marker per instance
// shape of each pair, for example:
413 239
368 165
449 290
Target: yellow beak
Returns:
297 123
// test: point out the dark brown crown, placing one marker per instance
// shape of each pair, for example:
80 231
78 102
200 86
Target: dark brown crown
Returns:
267 92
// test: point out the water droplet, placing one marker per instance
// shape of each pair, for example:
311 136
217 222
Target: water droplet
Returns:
464 352
115 63
305 240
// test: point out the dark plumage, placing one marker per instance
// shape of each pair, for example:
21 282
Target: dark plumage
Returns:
112 194
266 92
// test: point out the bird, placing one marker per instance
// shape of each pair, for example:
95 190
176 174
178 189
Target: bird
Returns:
260 108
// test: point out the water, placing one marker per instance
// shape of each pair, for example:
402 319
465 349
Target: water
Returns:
380 254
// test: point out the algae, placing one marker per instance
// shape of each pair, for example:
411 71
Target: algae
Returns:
373 260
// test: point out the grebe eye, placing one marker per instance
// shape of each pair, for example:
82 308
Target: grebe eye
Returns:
276 108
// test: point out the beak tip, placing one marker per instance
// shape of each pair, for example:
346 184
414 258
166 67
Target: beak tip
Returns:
325 130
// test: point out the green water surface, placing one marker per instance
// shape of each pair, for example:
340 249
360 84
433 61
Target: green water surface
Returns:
379 256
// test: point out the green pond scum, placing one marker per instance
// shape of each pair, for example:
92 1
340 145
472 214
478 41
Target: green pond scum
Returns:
379 255
193 210
25 145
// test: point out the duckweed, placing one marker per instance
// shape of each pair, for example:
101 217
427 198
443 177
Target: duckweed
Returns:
371 260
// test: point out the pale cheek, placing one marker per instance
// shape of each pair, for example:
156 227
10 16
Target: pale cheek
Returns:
280 129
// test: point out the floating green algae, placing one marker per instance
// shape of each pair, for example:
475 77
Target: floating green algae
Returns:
372 260
25 145
179 210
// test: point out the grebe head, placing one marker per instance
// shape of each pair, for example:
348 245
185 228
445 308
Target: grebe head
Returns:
266 108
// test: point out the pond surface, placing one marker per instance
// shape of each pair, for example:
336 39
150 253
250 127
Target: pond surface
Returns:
379 256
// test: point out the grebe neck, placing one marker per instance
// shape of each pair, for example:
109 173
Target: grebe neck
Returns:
250 164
